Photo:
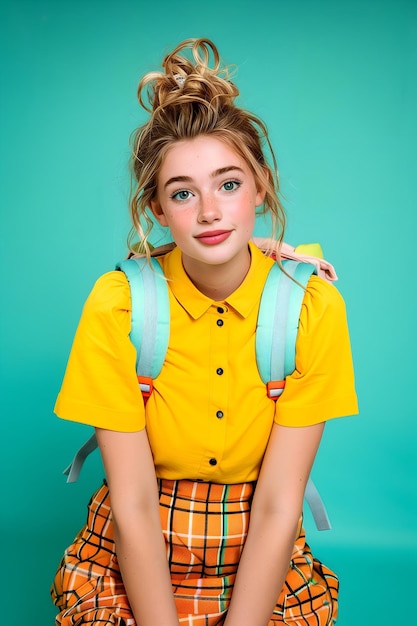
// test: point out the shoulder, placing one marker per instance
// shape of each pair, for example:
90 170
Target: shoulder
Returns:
322 300
106 315
110 292
323 312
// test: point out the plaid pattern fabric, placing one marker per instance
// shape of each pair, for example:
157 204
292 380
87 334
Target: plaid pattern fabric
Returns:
205 527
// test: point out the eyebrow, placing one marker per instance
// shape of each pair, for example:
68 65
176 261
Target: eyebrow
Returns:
218 172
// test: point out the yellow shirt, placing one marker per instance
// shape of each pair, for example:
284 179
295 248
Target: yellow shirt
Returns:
209 417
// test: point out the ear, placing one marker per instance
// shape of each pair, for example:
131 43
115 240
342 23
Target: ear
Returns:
157 212
261 190
260 196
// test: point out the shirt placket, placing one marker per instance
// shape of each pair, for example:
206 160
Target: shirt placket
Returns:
218 393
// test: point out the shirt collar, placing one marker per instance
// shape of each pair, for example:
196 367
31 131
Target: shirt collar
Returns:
242 300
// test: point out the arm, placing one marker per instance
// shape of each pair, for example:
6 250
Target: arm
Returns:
276 509
140 545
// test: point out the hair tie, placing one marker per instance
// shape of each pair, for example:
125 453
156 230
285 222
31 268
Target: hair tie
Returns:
180 80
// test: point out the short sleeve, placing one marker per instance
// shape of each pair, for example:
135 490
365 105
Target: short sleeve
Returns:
322 385
100 387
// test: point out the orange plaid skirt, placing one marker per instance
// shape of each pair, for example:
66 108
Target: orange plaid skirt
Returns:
205 527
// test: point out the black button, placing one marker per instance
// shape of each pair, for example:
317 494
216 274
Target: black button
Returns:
219 371
220 310
220 322
213 462
219 414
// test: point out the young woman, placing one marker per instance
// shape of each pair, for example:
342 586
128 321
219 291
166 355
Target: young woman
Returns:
199 520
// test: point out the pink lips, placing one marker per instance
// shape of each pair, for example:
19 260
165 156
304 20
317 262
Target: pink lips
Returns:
213 237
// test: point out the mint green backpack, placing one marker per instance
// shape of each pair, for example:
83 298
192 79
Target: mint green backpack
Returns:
276 335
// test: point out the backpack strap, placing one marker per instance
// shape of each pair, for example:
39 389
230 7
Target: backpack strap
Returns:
150 324
316 505
278 319
73 470
149 334
276 335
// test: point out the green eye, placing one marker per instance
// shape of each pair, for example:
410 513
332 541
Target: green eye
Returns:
181 195
231 185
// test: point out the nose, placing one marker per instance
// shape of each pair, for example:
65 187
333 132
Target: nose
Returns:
208 210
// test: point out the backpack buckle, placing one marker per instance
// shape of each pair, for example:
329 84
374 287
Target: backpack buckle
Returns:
146 386
274 389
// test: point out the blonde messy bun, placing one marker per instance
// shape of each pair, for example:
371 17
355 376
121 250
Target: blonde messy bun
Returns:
185 81
194 96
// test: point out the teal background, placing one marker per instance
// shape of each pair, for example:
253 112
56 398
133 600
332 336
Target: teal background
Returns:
336 84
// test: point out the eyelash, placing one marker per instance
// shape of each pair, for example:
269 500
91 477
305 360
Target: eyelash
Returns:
236 183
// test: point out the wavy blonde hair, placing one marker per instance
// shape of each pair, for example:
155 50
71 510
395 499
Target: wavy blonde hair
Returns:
188 99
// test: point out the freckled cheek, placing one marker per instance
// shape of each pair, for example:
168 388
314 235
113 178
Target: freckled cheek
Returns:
248 211
178 222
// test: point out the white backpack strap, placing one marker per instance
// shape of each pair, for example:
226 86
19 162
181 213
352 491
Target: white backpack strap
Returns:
150 322
317 507
73 470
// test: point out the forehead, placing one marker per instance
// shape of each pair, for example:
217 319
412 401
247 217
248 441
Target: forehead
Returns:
202 154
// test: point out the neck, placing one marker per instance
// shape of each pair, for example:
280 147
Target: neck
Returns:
218 281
